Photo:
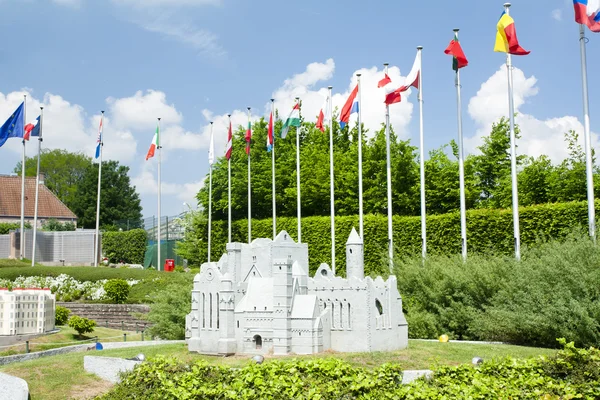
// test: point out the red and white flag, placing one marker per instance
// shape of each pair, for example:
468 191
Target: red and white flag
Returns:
323 115
391 96
411 80
229 146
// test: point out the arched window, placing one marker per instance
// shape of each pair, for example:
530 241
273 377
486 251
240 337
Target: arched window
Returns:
210 304
257 341
332 314
218 306
341 315
379 306
203 310
349 317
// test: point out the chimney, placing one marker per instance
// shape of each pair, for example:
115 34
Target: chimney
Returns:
42 178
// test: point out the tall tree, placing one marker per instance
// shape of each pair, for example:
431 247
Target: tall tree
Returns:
119 200
63 172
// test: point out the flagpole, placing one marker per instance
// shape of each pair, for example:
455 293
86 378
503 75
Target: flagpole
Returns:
229 193
37 188
461 164
299 206
587 138
210 193
249 190
22 243
273 170
159 231
422 161
389 182
97 238
360 180
513 152
331 181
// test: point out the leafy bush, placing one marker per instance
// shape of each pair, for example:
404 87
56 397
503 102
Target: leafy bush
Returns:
5 227
117 290
571 373
54 225
82 325
62 315
552 292
128 247
169 308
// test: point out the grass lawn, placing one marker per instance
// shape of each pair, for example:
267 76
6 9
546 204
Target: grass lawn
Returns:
6 263
69 337
62 377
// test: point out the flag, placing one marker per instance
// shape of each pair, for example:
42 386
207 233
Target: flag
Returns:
323 116
99 140
292 120
270 133
455 50
32 129
391 96
587 12
13 127
412 79
211 149
350 107
155 144
229 147
506 37
248 138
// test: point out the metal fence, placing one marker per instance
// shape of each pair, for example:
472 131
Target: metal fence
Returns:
170 228
4 246
75 247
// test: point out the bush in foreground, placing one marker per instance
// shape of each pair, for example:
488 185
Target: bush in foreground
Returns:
61 316
572 373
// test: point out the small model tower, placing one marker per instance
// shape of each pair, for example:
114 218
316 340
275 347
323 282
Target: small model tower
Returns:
355 258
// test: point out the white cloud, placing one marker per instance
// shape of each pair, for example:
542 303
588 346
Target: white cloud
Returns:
537 136
557 14
146 183
202 40
141 110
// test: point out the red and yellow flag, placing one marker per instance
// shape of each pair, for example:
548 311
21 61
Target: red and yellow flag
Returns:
506 38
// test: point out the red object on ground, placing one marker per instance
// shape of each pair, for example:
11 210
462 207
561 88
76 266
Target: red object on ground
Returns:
169 265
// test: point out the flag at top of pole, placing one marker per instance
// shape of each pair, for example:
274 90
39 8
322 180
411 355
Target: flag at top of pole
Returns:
99 140
391 95
270 133
154 145
13 127
248 135
292 120
587 12
506 37
229 146
412 79
459 59
323 116
350 107
32 129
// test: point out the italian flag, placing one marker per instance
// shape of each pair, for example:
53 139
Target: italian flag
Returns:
154 145
292 120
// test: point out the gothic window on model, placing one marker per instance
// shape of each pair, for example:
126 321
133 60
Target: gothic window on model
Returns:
258 342
210 304
379 306
341 315
203 310
349 316
332 315
218 306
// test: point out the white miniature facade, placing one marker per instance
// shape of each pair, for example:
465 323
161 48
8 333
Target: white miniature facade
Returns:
26 311
258 299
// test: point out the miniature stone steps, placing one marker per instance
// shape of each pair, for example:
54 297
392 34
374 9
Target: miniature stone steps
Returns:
115 316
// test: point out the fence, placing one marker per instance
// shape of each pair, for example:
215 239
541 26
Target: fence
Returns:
75 247
4 246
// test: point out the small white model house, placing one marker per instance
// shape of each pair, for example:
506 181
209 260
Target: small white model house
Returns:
26 311
259 299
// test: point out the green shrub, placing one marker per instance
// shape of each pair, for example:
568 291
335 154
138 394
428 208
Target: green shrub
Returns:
117 290
61 316
81 274
127 247
82 325
52 225
169 308
5 227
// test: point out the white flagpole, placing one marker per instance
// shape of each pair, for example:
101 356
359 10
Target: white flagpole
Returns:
37 189
229 190
249 187
587 138
273 170
360 180
331 181
422 160
210 160
461 166
22 243
513 152
159 231
389 183
299 206
97 238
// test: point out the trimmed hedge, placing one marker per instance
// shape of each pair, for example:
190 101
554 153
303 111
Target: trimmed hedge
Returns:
488 230
128 247
5 227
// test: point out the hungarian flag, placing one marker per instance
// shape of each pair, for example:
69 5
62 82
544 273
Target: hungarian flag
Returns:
270 133
455 50
292 120
323 116
229 146
506 37
155 144
248 137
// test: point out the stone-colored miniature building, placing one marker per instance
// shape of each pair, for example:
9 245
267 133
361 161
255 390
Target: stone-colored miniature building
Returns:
258 299
26 311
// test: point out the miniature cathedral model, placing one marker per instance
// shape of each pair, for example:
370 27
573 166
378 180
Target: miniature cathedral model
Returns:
259 299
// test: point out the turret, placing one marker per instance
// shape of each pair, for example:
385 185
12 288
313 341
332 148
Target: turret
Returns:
355 259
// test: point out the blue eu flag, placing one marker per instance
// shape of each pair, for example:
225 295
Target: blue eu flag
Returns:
13 127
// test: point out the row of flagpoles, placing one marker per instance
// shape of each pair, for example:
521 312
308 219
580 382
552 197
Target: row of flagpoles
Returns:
586 14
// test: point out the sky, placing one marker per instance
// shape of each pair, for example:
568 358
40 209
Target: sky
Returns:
190 62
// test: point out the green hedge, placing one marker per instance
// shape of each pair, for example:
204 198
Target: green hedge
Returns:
81 274
487 231
128 247
5 227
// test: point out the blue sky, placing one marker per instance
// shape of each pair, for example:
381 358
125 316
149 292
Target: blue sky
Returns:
191 61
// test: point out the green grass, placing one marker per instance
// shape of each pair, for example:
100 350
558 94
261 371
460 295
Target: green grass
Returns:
6 263
80 273
63 377
68 337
